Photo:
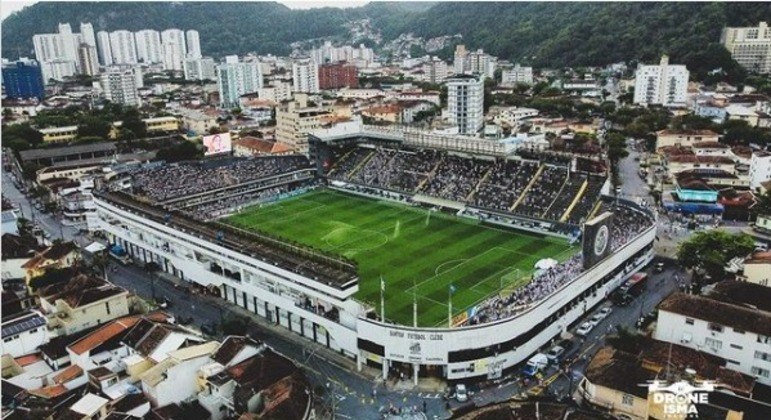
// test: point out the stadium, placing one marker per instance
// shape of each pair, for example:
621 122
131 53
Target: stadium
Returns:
434 255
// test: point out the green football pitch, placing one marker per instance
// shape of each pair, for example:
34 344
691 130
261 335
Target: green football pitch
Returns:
419 253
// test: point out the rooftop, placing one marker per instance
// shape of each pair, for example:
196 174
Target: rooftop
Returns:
331 270
52 152
53 253
718 312
744 293
103 334
23 322
231 346
669 132
81 290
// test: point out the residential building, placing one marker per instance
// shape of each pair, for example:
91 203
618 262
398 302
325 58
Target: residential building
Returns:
517 75
252 146
120 85
294 120
16 251
23 79
59 134
236 78
58 255
481 63
193 42
734 323
174 49
749 46
173 380
663 84
757 268
465 103
23 333
103 48
614 381
278 92
305 77
48 47
89 60
57 70
149 49
459 63
87 32
197 122
201 68
123 47
684 138
760 169
338 75
82 302
436 70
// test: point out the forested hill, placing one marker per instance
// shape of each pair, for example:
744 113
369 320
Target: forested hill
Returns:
543 34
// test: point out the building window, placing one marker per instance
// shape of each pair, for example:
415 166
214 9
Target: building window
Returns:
107 307
760 372
689 321
763 356
713 344
627 399
715 327
736 346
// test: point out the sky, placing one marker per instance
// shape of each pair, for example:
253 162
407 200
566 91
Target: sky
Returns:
9 6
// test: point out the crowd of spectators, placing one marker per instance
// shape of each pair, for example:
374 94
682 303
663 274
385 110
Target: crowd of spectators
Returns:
627 224
505 184
346 165
543 191
456 177
235 202
180 180
587 201
565 197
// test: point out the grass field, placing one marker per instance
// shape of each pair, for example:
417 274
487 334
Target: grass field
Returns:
418 253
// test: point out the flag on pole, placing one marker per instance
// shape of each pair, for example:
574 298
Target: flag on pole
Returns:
452 289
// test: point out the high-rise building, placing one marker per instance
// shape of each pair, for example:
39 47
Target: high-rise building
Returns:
174 49
149 50
436 70
89 61
664 84
517 74
120 85
459 64
479 62
295 119
48 47
202 68
305 77
69 42
103 47
123 47
236 78
57 69
193 42
749 46
465 103
23 79
338 75
87 32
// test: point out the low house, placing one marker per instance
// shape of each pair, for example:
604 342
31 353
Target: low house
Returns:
58 255
23 333
757 268
684 137
16 251
252 146
85 301
174 379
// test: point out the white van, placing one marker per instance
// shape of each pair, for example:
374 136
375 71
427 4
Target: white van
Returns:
536 364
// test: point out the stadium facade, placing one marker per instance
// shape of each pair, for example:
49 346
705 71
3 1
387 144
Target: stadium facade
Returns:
312 293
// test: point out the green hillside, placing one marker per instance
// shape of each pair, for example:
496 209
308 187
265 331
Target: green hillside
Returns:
542 34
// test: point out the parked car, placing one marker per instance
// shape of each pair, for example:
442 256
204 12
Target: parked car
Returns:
596 319
659 267
461 393
605 311
555 354
584 329
163 302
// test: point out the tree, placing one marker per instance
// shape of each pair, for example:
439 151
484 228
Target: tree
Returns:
234 326
763 206
711 251
93 127
616 146
132 121
52 276
184 150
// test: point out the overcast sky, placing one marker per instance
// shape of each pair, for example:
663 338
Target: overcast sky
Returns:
9 6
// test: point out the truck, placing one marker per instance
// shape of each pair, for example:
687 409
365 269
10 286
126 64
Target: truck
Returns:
536 364
635 285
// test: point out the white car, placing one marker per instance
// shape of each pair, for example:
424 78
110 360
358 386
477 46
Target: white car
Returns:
605 311
595 319
461 394
584 329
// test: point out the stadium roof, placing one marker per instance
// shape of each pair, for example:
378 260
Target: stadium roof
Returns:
330 270
67 150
